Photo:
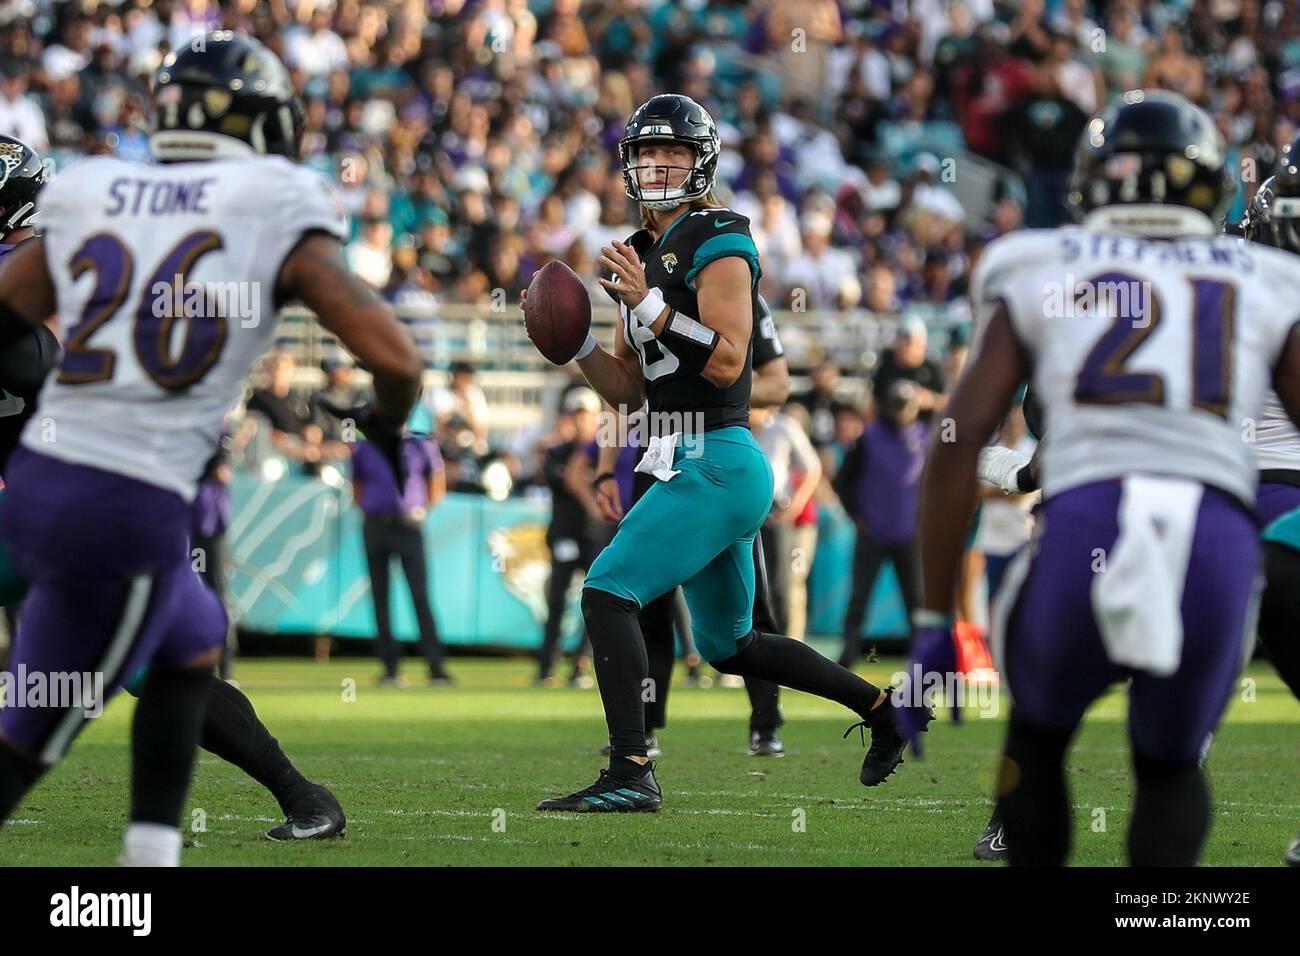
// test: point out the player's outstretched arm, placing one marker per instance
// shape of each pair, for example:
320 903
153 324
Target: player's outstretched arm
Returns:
948 485
316 274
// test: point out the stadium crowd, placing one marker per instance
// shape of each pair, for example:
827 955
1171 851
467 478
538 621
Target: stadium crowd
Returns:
474 141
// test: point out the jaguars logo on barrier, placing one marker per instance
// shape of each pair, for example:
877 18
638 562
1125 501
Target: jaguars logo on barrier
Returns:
521 557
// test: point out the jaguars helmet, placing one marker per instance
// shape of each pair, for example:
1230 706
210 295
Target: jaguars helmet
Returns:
1152 153
22 175
679 119
221 95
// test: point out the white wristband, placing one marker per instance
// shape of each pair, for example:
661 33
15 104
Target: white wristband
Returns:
586 348
649 309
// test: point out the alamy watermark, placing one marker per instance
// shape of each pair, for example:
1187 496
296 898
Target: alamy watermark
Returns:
59 690
188 299
621 429
915 688
1074 298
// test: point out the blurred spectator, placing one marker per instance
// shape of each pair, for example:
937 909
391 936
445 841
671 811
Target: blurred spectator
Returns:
987 86
907 361
394 528
1173 68
20 114
878 486
210 514
822 402
802 33
789 539
1122 60
1043 129
371 256
821 277
576 533
461 410
314 48
293 433
341 392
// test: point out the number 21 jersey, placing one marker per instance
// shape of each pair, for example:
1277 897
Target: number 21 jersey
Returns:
1150 356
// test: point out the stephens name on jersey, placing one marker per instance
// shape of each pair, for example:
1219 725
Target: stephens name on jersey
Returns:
679 399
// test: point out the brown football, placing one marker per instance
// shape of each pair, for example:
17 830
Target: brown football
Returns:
557 312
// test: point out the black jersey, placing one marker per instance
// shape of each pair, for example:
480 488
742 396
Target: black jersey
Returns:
671 265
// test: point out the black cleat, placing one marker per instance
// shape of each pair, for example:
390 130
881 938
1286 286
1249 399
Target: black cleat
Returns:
612 795
315 815
992 846
765 743
887 744
652 748
1293 852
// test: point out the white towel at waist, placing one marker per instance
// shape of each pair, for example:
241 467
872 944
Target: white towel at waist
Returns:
1137 598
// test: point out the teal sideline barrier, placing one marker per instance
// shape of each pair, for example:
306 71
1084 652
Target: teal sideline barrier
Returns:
298 567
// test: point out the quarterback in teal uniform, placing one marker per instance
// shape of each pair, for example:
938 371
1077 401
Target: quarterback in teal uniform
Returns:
686 285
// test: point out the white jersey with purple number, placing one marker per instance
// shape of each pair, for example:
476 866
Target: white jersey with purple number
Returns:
1277 440
165 278
1150 356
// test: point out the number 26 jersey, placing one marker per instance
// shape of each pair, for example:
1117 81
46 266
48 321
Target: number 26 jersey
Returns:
165 278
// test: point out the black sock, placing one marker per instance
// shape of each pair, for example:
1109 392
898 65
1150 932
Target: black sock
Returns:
1034 801
1171 814
794 664
621 668
1279 612
18 774
233 732
625 769
164 737
764 704
656 620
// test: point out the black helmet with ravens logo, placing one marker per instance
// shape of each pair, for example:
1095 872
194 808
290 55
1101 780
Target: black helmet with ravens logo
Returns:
22 174
675 118
1153 148
224 94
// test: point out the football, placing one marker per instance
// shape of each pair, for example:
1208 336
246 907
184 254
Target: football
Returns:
557 312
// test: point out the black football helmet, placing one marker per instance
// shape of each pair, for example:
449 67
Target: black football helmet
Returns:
1288 164
1152 147
22 175
679 119
1274 214
224 94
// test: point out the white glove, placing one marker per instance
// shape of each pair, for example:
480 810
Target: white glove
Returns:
999 466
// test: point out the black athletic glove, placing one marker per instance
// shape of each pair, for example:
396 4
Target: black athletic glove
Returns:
384 435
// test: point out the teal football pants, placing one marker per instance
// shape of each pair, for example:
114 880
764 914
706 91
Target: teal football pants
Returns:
696 530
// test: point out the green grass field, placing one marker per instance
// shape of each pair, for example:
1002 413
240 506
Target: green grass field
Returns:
450 776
